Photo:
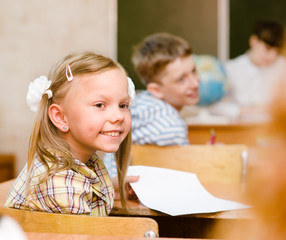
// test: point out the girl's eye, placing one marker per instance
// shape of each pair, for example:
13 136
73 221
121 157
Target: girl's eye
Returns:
99 105
124 106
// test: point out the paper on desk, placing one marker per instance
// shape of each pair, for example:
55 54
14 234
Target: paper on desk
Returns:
176 192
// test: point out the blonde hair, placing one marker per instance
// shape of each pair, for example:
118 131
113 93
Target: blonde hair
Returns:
155 52
44 140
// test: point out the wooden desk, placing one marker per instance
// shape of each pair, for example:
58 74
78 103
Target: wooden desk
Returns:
193 225
251 134
53 236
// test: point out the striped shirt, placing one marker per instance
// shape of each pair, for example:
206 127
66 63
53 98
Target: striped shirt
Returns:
153 122
83 189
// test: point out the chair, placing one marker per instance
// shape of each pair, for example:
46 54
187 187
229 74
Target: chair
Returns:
4 190
32 221
219 163
7 167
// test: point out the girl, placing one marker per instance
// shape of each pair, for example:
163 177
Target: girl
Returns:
84 107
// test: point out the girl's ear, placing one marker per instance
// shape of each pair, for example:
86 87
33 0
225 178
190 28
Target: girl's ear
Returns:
155 90
57 117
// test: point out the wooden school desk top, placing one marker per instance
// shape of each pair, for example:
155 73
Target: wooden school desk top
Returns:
237 133
226 191
247 129
56 236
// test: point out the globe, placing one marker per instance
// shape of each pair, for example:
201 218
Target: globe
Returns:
213 82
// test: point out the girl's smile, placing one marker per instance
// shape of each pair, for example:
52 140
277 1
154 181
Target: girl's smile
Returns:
112 133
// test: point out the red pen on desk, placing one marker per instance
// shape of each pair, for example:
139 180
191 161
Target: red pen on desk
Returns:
213 136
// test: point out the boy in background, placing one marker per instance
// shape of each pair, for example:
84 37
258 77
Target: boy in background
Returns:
251 76
166 67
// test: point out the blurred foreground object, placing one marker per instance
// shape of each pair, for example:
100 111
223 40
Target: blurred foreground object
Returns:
266 183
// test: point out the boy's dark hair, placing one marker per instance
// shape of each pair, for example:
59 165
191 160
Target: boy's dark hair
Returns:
269 32
153 54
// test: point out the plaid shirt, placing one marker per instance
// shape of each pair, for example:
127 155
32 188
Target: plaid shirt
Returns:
84 189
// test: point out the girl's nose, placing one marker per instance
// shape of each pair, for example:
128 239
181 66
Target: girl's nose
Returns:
116 115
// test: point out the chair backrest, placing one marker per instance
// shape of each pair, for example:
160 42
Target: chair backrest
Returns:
220 163
32 221
7 167
4 190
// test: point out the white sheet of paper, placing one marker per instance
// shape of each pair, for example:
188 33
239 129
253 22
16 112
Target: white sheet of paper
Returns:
176 192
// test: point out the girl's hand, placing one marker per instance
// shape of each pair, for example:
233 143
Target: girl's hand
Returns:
130 194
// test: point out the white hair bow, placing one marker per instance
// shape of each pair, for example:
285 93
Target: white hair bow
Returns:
37 89
131 90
